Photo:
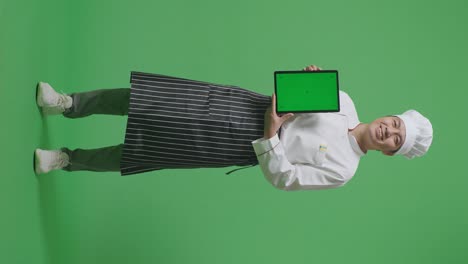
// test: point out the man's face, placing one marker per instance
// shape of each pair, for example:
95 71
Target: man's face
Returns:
387 134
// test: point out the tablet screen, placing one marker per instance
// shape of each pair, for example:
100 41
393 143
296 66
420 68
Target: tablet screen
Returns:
307 91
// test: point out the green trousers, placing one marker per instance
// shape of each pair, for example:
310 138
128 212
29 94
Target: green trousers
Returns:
103 101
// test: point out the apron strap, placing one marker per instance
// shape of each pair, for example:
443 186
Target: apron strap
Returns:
245 167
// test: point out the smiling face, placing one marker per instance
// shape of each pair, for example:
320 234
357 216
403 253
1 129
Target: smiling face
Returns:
387 134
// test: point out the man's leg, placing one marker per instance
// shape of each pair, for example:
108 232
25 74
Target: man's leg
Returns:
102 101
101 159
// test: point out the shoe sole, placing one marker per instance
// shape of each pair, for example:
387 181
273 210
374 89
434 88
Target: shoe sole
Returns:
36 162
38 93
37 88
36 99
38 102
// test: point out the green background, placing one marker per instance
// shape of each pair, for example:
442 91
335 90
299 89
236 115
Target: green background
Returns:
391 56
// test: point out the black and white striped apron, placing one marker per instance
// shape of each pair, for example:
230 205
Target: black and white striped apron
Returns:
182 123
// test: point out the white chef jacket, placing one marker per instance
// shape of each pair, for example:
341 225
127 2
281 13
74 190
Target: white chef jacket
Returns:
315 151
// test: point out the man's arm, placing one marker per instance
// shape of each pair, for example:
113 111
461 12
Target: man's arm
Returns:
286 176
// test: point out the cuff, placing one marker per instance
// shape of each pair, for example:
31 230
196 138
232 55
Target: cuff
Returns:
263 145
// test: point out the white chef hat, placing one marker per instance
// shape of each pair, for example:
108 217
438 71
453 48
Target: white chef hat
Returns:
418 134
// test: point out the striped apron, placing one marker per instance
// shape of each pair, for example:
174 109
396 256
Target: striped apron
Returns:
176 123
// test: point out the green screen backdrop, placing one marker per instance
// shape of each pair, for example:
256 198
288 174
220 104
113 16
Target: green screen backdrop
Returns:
391 56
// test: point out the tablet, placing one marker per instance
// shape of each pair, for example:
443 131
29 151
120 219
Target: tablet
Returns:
307 91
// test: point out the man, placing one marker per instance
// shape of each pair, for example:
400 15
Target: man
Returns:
320 151
296 152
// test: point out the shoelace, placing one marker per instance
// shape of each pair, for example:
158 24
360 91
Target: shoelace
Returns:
61 101
61 161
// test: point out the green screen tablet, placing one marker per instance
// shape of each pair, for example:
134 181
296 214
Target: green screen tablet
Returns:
307 91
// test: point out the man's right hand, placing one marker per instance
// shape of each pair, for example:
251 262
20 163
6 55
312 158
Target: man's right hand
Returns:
273 122
312 68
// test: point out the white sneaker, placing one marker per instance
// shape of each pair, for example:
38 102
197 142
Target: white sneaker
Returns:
52 103
47 160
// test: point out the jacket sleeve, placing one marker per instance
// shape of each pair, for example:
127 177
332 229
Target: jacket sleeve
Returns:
289 177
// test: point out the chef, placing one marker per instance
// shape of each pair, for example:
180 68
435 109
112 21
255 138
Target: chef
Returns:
181 123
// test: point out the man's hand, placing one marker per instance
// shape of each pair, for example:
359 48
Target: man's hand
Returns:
312 68
272 121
